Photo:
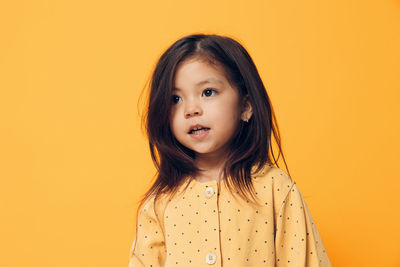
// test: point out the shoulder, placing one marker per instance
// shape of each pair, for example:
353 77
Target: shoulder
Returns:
153 206
276 184
274 176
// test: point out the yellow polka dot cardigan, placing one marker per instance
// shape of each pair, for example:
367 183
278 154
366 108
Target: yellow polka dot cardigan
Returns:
205 225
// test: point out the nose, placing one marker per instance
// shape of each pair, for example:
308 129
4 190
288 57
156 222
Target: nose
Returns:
192 109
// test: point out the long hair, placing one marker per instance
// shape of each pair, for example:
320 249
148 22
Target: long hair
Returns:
251 147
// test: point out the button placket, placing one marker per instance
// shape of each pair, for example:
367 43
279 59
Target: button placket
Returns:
213 221
209 192
211 258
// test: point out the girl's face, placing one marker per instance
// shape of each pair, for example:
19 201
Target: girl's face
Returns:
203 99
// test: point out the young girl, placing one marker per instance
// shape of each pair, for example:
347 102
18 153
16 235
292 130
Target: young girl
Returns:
217 198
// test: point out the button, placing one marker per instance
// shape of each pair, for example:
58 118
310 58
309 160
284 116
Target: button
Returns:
211 258
209 192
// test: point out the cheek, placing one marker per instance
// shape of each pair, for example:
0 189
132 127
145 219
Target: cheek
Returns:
175 124
227 116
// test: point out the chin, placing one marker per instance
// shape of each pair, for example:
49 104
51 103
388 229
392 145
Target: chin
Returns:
204 151
200 151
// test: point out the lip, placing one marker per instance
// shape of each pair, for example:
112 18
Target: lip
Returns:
196 125
201 135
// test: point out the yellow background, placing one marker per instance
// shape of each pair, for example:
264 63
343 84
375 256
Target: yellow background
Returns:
73 161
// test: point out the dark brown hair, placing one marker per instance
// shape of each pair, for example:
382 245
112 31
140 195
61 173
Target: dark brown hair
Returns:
251 147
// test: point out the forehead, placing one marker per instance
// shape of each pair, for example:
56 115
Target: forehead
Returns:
198 72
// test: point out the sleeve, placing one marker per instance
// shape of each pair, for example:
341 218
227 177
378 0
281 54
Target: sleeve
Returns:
297 240
148 247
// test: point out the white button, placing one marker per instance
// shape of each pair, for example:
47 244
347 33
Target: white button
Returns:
211 258
209 192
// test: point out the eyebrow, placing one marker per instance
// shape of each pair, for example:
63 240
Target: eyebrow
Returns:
209 80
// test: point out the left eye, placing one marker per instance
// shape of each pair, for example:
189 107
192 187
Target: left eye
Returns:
209 92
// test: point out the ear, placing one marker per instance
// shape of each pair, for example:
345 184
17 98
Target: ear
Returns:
247 110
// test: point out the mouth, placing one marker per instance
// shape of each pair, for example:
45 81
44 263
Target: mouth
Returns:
199 132
198 129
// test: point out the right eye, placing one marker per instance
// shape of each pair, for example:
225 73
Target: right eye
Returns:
175 99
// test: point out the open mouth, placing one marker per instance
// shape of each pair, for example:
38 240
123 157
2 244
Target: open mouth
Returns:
199 131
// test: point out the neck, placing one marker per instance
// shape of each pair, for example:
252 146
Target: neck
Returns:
212 166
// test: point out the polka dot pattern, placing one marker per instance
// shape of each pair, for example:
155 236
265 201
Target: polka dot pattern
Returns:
207 225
